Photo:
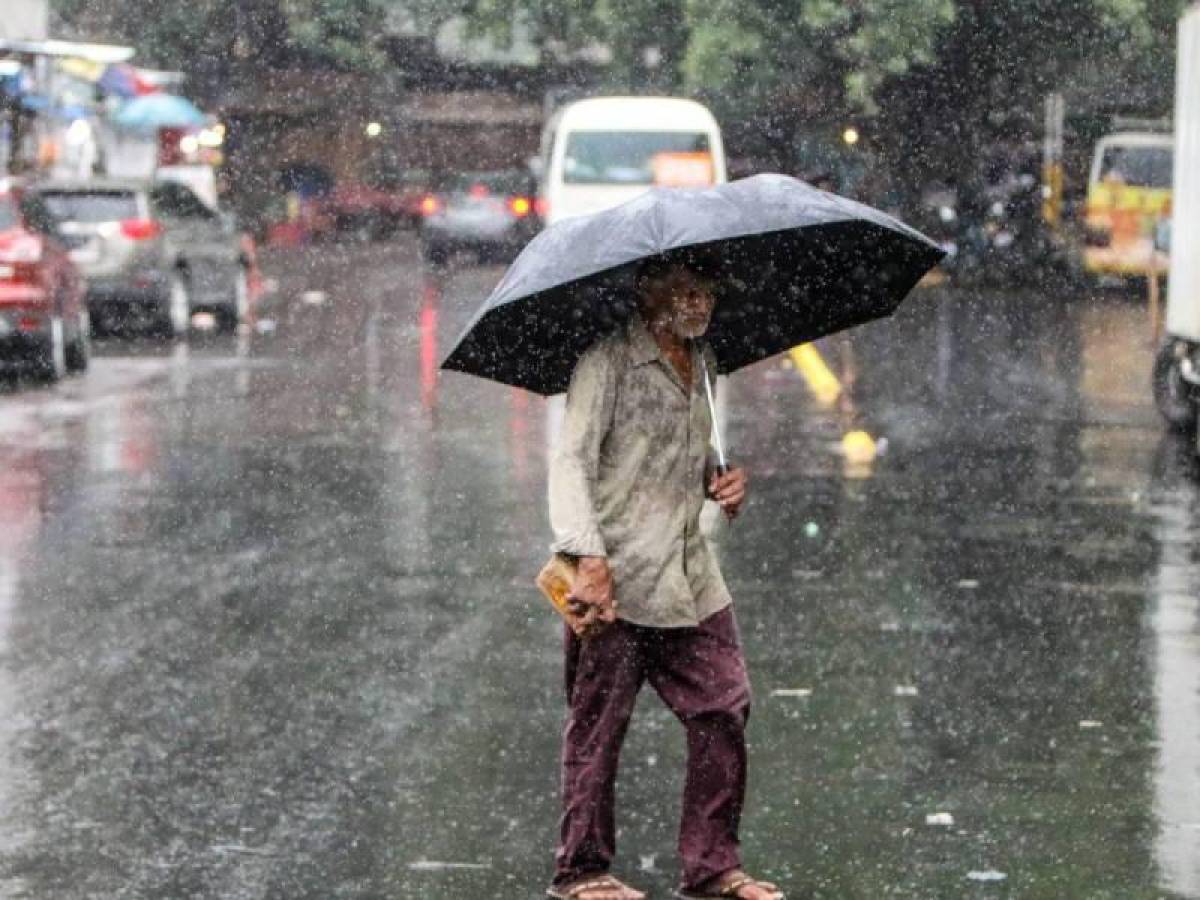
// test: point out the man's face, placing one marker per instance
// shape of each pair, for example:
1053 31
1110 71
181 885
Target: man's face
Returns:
680 301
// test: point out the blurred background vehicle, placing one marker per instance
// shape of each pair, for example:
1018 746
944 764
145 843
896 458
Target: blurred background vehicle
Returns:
1129 193
599 153
152 252
1002 236
378 206
43 318
490 214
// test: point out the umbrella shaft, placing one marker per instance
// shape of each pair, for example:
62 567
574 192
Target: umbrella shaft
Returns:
722 466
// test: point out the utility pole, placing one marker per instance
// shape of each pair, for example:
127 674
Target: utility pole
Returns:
1052 160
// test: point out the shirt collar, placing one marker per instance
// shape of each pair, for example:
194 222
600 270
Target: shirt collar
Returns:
643 349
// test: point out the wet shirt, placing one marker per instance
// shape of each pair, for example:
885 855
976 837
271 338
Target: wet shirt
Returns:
627 479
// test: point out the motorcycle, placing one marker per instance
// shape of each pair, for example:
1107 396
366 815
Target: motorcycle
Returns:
1004 240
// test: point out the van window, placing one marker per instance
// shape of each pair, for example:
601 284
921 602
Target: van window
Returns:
174 201
1138 166
624 157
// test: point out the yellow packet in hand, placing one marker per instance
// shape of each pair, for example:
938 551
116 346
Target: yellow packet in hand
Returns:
556 581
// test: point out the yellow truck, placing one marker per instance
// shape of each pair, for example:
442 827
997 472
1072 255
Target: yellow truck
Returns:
1129 194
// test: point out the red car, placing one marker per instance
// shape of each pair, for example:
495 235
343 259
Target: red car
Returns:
43 316
381 204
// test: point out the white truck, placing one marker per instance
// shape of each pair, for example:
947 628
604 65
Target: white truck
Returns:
1177 365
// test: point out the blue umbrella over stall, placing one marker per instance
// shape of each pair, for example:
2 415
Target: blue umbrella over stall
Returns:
155 111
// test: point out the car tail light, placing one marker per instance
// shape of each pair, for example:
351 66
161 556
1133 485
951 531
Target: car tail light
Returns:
30 322
541 206
20 253
140 229
479 191
430 205
520 206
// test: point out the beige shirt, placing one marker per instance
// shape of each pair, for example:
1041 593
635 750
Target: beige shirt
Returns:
628 476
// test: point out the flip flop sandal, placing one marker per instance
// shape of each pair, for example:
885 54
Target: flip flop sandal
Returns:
730 888
578 890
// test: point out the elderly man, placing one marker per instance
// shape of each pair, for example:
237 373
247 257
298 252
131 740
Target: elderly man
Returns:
627 484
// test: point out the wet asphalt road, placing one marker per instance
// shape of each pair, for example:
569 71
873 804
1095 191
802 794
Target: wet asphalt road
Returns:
267 626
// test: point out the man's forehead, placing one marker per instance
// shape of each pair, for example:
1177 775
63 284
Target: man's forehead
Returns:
680 274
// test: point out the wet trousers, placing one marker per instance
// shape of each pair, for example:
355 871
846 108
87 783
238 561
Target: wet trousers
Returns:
700 674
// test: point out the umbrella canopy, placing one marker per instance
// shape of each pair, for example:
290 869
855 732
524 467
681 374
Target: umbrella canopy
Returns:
795 263
151 111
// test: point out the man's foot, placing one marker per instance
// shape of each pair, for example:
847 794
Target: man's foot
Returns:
595 887
734 883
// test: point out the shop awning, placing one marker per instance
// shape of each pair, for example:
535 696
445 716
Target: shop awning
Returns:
98 53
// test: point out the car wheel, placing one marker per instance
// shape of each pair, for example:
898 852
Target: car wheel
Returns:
177 316
1175 398
51 364
79 351
229 317
98 320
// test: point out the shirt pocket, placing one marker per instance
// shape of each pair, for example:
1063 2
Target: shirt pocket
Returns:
652 407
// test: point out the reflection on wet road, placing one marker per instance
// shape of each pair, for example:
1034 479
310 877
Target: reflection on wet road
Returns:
268 630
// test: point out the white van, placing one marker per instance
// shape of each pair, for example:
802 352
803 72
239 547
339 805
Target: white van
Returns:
599 153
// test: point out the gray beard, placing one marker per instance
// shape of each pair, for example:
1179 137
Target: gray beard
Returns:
688 332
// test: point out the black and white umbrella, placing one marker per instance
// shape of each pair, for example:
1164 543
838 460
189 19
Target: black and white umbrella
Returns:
793 264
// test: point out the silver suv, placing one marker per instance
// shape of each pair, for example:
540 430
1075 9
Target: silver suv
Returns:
152 252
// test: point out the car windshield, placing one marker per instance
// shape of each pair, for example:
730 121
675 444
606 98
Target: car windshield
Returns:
8 213
92 206
1138 166
624 157
514 182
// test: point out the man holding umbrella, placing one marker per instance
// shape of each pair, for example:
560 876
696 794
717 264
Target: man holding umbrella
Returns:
633 466
627 483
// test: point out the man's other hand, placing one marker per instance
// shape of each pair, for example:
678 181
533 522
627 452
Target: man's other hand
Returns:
592 601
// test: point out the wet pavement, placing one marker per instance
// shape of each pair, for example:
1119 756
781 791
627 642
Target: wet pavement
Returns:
268 629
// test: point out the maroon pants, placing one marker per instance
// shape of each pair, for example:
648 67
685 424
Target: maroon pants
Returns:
701 676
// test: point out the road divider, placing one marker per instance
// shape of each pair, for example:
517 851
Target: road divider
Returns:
821 381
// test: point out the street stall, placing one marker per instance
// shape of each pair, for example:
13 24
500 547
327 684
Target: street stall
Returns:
52 114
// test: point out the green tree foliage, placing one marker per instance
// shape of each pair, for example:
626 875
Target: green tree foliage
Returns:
991 69
944 78
834 53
